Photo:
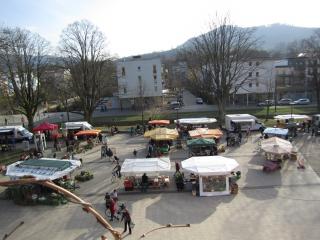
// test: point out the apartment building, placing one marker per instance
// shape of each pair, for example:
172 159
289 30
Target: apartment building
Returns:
139 81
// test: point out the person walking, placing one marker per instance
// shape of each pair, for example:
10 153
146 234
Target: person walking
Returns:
117 170
240 137
114 195
126 217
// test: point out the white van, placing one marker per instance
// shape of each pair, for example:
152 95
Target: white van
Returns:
78 126
246 121
18 133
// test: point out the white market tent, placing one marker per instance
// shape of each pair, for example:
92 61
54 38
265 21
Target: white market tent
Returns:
276 131
210 167
42 169
195 121
137 166
292 116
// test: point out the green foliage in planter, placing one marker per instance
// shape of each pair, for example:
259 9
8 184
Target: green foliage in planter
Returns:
84 176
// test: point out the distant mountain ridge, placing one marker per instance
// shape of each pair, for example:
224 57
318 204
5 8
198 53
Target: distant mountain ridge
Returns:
271 37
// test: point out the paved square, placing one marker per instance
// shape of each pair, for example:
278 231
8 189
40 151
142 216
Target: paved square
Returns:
279 205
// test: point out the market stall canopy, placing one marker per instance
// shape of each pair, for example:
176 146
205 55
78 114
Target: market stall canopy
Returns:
159 122
276 131
93 132
292 116
199 142
45 126
195 121
158 134
210 165
276 145
44 168
205 133
145 165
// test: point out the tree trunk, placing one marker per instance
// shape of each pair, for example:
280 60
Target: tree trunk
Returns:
30 121
88 115
221 110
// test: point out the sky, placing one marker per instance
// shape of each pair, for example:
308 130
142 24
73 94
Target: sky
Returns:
135 27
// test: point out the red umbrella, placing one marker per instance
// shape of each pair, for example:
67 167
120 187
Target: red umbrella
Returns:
45 127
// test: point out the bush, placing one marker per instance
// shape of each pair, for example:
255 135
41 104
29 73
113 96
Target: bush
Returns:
84 176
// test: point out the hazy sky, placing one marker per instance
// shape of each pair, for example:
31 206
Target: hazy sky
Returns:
141 26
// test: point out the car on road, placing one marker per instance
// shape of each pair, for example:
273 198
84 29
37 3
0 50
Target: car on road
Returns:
175 104
266 103
199 101
302 101
285 101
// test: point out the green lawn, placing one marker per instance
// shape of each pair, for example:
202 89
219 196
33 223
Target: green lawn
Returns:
258 112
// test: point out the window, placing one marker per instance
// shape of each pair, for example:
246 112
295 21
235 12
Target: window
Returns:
123 70
154 69
250 84
124 90
155 77
139 68
257 63
250 74
257 84
156 88
257 74
250 63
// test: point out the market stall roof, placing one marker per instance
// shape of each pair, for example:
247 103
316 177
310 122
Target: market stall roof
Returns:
158 134
195 120
276 145
159 122
145 165
200 142
205 133
91 132
276 131
45 126
292 116
44 168
210 165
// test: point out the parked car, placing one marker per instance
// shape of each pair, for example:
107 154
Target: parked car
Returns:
302 101
199 101
266 103
175 104
285 101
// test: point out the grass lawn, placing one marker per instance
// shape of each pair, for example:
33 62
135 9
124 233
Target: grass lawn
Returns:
9 157
258 112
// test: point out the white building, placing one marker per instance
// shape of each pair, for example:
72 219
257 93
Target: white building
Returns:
259 84
139 78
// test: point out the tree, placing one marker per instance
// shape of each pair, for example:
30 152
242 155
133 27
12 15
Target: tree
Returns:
23 56
313 49
217 59
82 47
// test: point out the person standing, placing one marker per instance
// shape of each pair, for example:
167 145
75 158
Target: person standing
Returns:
126 217
240 136
5 121
144 182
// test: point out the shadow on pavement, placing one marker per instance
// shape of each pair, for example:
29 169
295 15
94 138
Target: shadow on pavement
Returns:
185 209
260 185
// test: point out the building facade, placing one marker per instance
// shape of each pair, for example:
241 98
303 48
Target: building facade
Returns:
293 79
257 82
139 80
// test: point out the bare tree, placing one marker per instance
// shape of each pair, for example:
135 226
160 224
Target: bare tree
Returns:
23 56
217 59
82 47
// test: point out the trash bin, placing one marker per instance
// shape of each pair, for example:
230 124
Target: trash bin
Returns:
26 145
